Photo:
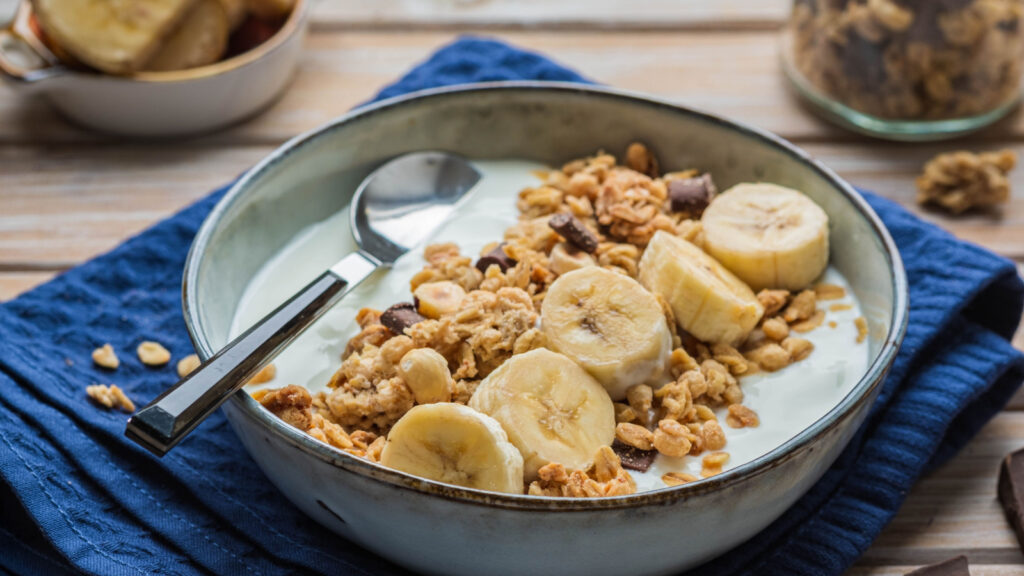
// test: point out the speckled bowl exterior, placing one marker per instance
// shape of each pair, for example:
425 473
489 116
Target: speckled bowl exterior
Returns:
442 529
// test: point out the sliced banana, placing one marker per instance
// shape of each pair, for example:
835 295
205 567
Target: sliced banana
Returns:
270 9
565 258
767 235
237 10
608 324
551 408
707 300
114 36
200 39
454 444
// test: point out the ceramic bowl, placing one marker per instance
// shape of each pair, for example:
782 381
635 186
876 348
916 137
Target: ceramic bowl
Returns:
443 529
154 104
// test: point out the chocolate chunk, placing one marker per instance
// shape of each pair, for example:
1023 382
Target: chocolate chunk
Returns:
634 458
400 316
952 567
1011 492
574 231
692 195
496 256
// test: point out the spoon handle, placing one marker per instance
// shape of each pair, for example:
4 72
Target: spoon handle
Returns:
174 414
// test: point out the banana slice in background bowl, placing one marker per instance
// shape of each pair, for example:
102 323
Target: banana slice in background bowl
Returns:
152 68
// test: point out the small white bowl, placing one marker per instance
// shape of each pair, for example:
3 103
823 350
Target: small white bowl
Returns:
154 104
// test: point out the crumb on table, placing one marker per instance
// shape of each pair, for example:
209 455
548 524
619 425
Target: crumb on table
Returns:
959 181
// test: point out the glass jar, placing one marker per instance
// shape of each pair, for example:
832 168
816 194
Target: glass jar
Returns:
907 69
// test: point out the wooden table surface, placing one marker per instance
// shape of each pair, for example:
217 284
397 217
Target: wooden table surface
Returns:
67 195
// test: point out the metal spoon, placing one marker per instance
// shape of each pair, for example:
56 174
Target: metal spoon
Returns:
395 208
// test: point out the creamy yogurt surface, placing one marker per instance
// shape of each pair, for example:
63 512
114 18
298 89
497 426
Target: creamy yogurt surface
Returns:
787 401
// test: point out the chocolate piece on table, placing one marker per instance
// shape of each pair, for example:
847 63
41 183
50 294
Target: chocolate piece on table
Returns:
692 194
496 256
952 567
634 458
400 316
1011 492
574 231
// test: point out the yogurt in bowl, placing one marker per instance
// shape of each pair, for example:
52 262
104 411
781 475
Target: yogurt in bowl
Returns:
439 528
786 401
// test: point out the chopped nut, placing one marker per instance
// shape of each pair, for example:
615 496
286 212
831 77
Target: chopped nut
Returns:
110 397
268 373
712 463
426 373
742 417
187 365
640 398
773 301
704 413
840 307
634 435
606 464
153 354
809 324
862 328
105 357
375 448
672 439
714 436
678 478
798 348
775 329
829 292
435 299
770 357
680 361
639 158
730 357
624 413
801 307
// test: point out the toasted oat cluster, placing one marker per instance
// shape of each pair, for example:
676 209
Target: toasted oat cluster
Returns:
465 338
959 181
911 59
110 396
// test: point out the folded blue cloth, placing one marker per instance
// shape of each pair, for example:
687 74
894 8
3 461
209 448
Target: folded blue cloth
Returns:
76 496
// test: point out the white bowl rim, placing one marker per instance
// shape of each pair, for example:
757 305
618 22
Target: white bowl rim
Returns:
861 392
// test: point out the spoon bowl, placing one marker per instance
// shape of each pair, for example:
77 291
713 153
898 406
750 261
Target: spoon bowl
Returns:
396 208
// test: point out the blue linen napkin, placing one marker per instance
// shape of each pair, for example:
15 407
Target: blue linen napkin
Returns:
76 496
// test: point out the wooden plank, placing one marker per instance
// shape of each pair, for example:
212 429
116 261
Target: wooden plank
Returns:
565 14
14 283
60 206
976 570
342 69
954 510
534 14
64 204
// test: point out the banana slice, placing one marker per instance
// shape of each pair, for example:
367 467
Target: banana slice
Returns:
767 235
114 36
200 39
608 324
271 9
565 258
236 10
551 408
708 301
455 444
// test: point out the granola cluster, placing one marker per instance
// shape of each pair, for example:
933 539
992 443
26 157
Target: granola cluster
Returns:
959 181
471 315
605 477
911 59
